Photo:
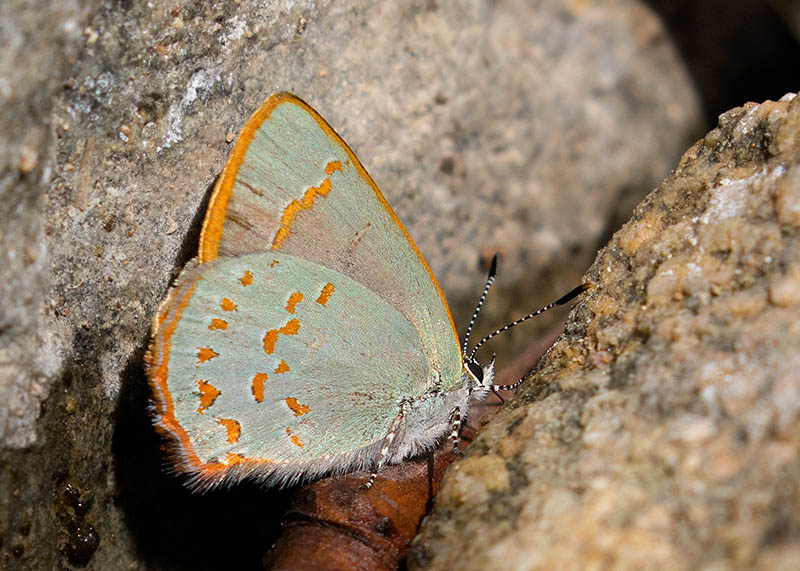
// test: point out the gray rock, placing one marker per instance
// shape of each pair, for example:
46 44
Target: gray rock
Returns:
512 127
661 430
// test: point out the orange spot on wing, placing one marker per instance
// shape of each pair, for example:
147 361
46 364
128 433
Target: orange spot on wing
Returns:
297 408
294 299
247 278
332 167
282 367
291 328
270 337
325 294
296 207
269 341
227 305
208 394
218 324
295 440
258 386
205 354
232 427
233 458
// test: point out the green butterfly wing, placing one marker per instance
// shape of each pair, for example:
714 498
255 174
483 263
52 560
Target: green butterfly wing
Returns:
286 351
276 365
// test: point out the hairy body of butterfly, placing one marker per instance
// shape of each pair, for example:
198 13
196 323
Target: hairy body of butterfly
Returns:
309 336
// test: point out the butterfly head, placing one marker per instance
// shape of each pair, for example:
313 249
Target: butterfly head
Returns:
481 376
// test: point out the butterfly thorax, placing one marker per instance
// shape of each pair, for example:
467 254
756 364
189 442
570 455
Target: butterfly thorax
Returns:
430 416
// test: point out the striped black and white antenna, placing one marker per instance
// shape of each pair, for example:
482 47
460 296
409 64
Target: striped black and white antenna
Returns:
470 358
564 299
486 288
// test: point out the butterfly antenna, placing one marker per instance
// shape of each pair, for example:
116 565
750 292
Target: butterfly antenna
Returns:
486 288
572 294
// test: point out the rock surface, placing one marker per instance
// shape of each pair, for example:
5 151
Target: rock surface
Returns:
489 126
661 431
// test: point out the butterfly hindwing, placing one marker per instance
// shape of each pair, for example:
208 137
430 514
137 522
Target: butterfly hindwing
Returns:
295 364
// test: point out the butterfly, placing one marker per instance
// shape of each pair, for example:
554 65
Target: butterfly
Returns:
309 336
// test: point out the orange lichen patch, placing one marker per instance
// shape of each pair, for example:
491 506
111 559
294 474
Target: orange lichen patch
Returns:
273 263
205 354
294 299
258 386
270 337
332 167
295 440
296 207
227 305
282 367
297 408
218 324
247 278
208 394
325 294
232 427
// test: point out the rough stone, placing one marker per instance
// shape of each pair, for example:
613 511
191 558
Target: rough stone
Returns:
661 430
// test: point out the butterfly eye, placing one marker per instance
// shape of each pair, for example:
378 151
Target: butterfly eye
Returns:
476 370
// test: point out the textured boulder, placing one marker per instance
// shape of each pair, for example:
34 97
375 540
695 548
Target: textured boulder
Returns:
661 431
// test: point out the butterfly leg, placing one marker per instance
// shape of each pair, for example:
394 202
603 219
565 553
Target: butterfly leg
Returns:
387 443
494 390
455 434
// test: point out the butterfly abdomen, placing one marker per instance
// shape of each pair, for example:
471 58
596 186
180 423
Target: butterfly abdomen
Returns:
429 422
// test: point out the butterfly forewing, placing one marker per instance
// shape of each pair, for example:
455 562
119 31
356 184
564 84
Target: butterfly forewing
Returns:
292 185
